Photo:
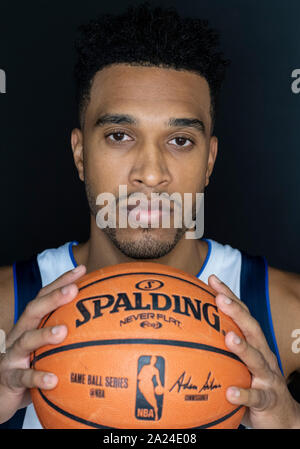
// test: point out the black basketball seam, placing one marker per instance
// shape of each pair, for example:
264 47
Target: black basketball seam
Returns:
70 415
99 426
147 272
47 318
123 341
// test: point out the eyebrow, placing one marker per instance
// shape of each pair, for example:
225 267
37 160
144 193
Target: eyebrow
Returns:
115 119
188 122
127 119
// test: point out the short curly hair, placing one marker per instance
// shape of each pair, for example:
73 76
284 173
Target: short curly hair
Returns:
148 36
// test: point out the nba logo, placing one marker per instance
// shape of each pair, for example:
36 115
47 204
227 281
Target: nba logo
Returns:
150 387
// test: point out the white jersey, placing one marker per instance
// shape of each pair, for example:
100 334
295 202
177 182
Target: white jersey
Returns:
221 260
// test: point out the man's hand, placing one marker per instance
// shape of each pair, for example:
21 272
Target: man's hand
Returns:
16 377
268 401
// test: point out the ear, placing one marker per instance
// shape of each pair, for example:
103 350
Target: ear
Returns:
213 151
77 148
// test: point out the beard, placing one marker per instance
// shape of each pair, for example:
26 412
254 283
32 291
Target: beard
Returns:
141 243
147 245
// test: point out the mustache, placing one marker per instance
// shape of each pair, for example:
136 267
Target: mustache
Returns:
162 199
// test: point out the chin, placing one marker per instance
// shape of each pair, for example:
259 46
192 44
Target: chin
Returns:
145 243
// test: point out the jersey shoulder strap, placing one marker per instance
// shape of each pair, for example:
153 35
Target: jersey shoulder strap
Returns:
27 284
254 292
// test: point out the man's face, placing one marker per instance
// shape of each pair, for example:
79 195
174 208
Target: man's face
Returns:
132 136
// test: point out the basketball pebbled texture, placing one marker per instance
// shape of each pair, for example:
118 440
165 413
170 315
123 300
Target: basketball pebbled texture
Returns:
145 349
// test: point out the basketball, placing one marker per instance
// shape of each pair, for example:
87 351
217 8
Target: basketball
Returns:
145 349
158 390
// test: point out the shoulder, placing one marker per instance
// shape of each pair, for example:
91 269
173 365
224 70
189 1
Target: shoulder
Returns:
6 298
285 281
284 292
51 263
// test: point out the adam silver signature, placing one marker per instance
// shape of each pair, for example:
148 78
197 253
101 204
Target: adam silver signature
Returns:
209 385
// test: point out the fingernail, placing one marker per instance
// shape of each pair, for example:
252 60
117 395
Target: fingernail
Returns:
226 300
56 329
49 379
234 391
217 279
236 339
66 289
77 269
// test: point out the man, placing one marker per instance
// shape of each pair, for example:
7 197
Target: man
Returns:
148 84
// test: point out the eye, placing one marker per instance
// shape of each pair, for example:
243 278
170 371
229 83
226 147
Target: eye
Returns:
117 137
182 141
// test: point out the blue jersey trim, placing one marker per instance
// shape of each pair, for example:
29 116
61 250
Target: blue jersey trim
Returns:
16 306
207 256
71 252
270 314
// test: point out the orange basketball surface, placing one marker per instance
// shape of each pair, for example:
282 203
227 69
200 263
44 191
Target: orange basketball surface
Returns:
145 349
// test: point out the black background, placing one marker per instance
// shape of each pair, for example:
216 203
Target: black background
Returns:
253 199
252 202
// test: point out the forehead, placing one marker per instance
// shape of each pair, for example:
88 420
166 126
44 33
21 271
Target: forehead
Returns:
152 91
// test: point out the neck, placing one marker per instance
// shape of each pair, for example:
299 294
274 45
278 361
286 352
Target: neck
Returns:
98 252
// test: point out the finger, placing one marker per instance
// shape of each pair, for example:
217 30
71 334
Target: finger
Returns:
20 379
38 308
255 398
253 359
247 324
46 302
220 287
65 279
34 339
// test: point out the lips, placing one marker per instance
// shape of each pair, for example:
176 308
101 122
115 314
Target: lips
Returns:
154 205
149 215
144 208
146 213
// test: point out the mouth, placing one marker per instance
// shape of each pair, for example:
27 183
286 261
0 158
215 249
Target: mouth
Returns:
149 216
147 213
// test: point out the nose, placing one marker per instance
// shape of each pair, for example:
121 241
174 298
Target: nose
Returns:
149 168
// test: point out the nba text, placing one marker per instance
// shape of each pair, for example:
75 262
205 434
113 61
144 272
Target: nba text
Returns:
2 82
